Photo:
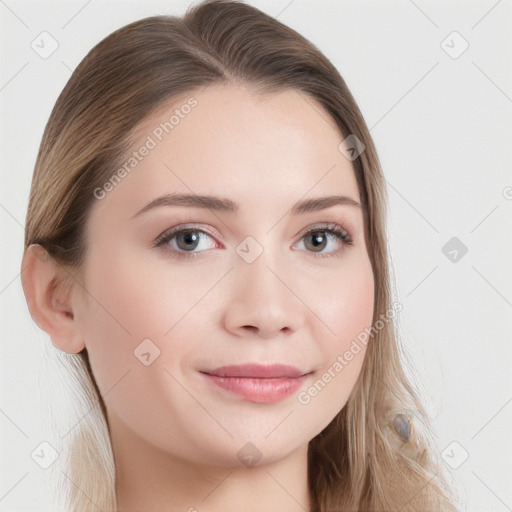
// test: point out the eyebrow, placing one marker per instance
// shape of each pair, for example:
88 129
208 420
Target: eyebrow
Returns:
227 205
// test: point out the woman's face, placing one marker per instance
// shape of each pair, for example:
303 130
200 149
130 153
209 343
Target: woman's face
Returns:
246 285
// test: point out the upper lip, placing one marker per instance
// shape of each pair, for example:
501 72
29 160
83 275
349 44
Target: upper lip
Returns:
258 371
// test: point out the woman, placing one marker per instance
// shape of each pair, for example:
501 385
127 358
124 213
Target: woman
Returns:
206 238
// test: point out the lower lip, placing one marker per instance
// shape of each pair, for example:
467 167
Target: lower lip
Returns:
263 391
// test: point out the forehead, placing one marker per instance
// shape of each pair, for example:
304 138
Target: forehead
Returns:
226 140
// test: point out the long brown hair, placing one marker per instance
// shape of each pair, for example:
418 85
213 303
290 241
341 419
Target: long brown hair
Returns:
377 453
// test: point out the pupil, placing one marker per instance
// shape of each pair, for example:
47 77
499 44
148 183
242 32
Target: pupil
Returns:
190 237
318 239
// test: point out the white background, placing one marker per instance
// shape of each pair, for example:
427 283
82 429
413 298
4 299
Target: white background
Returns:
443 130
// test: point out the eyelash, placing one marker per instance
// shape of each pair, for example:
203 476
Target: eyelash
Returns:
340 233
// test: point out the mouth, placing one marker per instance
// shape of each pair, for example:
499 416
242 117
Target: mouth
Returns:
257 382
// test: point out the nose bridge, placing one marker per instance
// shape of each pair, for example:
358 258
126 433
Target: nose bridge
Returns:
260 296
259 276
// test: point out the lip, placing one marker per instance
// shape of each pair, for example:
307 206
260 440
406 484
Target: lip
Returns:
256 382
257 371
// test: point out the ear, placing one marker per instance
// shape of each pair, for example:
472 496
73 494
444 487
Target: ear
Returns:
49 303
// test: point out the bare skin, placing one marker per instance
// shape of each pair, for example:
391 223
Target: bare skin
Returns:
180 442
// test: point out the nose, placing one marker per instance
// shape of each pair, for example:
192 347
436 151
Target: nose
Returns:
262 301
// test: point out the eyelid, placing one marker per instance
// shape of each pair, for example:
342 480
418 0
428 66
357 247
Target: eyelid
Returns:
182 226
324 226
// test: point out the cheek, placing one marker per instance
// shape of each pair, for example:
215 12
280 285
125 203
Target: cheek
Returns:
344 301
345 305
128 302
120 311
349 304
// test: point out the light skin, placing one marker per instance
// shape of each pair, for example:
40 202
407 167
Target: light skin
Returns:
175 436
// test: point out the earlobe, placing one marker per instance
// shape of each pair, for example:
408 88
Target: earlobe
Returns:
50 306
